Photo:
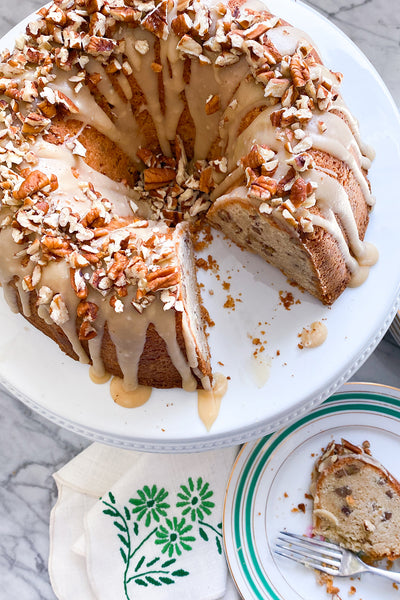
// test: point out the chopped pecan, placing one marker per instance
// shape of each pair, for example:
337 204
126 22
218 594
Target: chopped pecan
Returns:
258 155
86 332
156 21
299 71
285 183
118 266
298 193
87 311
206 180
35 123
213 104
35 182
125 14
156 177
56 245
78 284
181 24
101 46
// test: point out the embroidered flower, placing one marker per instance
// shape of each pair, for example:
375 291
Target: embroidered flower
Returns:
195 499
173 538
150 504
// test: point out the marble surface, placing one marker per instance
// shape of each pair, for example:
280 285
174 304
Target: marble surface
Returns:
31 448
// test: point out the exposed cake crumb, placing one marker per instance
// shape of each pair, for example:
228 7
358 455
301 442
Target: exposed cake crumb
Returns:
352 590
287 299
230 303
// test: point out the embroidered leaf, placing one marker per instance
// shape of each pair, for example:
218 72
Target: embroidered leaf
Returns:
109 511
185 489
136 528
119 526
204 489
124 557
141 494
180 573
219 525
127 513
152 580
152 562
141 561
208 495
186 546
147 491
112 499
167 580
136 501
203 534
218 542
141 582
208 503
162 494
123 540
167 563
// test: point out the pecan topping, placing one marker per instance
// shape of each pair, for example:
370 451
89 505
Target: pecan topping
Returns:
299 71
35 182
156 177
298 193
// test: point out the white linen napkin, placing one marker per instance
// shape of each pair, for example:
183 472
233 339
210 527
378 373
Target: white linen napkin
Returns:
145 526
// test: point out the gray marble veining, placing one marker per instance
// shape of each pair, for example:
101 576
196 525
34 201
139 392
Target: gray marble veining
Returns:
31 448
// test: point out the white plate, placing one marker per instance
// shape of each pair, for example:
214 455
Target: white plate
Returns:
34 370
271 477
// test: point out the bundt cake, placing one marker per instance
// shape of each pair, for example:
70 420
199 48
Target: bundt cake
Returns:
356 501
126 121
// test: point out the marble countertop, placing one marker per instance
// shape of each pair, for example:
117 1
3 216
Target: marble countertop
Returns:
31 448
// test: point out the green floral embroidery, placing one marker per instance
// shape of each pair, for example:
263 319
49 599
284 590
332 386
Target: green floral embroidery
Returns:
145 572
173 538
150 503
195 499
144 564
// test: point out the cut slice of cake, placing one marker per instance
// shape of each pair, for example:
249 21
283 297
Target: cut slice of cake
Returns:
356 501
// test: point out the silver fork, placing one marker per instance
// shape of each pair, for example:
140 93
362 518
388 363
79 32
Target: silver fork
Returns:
326 557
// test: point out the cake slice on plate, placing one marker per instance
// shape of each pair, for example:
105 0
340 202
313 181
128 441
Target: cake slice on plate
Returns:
356 501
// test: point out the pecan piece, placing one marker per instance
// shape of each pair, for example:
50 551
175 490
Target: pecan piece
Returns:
157 177
35 123
299 71
35 182
125 14
213 104
298 193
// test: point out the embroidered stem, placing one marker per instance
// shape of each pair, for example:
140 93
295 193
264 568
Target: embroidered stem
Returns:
142 542
211 527
146 573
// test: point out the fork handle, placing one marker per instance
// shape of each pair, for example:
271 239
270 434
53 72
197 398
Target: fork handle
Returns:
384 573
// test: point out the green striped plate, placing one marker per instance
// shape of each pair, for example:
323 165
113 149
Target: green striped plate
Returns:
268 486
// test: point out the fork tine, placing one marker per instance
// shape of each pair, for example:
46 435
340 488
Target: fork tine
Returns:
334 549
307 554
309 545
307 563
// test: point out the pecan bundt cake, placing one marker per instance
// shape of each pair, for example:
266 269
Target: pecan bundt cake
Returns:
125 121
356 501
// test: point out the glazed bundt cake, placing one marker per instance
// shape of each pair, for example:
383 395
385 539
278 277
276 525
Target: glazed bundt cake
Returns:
126 121
356 501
